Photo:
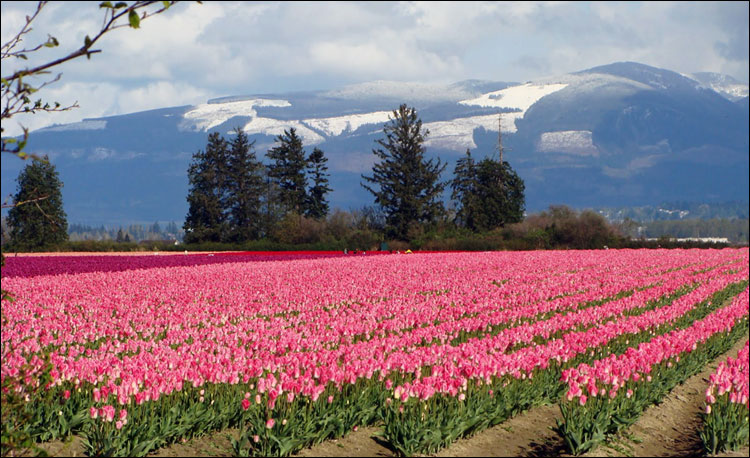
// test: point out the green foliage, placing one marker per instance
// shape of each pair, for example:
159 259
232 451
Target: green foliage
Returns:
37 219
304 422
317 205
490 194
725 427
234 199
287 170
206 219
405 185
245 189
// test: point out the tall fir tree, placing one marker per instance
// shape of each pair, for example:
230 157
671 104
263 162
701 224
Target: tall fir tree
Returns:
490 194
317 205
287 170
37 219
406 185
246 188
464 187
208 194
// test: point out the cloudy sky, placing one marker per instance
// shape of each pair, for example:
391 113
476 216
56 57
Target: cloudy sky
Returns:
194 52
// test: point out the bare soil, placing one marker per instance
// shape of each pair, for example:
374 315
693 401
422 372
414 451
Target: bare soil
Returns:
669 429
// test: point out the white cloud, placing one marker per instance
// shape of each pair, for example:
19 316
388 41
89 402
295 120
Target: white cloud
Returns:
230 48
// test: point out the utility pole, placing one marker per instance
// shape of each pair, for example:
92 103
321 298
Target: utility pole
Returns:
500 148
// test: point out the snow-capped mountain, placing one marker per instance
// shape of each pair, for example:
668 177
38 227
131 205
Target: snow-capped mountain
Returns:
723 84
615 135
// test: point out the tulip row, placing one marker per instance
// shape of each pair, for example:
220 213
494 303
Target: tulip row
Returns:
177 347
610 394
33 266
502 385
725 422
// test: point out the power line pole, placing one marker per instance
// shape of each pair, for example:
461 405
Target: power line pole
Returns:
500 148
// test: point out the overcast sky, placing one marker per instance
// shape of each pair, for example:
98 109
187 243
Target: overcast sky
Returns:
195 52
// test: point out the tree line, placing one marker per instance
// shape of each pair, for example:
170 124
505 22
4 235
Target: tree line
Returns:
235 198
236 201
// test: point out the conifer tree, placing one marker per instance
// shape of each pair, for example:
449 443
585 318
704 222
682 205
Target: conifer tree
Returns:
405 185
208 196
246 188
317 205
287 170
490 194
37 219
464 186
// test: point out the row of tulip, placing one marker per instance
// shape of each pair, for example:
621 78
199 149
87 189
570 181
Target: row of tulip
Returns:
33 266
725 422
610 394
501 385
176 347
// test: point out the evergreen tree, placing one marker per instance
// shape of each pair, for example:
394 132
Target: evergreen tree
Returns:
246 184
37 219
500 192
287 170
120 236
464 186
207 197
317 205
490 194
273 210
405 185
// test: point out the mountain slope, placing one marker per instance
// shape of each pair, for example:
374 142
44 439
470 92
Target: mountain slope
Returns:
615 135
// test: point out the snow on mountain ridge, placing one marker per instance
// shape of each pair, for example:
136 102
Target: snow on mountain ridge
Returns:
458 134
723 84
208 115
275 127
338 125
577 142
518 97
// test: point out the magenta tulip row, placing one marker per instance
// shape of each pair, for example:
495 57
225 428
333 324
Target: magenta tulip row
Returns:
731 378
483 360
608 375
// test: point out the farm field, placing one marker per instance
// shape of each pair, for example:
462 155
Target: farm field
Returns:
134 355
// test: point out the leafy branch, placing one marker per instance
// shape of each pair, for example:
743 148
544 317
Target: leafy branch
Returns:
17 92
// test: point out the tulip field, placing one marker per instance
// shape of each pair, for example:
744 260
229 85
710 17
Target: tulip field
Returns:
135 354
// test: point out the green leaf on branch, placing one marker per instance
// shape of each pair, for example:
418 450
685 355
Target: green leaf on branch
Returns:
135 21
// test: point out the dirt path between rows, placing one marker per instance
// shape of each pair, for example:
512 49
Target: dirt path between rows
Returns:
669 429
